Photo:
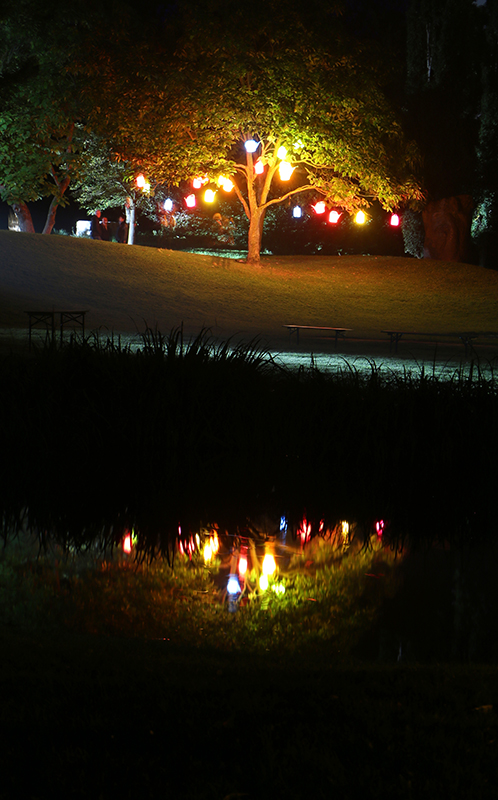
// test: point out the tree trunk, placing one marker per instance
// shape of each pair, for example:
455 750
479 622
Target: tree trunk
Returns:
54 205
255 235
130 219
447 229
23 214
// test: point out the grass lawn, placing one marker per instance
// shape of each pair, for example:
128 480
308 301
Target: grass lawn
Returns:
124 286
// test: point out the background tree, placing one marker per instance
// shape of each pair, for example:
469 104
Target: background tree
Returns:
443 92
104 182
39 139
177 115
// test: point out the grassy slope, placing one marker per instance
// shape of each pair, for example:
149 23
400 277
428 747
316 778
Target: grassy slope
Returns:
122 286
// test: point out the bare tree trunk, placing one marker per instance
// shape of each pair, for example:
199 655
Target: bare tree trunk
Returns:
255 235
130 218
54 205
23 214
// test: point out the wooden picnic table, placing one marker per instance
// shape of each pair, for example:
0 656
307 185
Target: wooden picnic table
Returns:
466 337
48 318
338 332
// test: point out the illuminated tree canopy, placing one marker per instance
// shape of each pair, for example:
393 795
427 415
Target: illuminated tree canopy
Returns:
185 104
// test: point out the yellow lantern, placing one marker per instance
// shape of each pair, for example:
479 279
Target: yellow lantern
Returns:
259 167
360 218
140 181
209 195
281 152
263 582
285 170
227 185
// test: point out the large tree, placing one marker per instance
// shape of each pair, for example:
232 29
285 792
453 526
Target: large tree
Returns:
39 107
189 107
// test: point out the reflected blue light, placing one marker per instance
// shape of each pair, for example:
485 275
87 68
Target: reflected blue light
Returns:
233 585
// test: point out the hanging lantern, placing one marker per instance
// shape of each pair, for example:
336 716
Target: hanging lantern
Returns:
394 221
140 181
319 207
168 204
259 167
190 201
360 218
197 183
297 212
334 217
227 185
281 152
285 170
209 196
251 145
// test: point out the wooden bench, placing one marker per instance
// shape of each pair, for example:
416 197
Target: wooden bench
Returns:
48 318
465 337
338 332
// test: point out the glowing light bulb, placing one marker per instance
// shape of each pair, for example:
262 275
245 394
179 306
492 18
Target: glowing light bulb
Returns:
263 582
360 218
168 204
209 195
269 565
285 170
297 212
334 217
259 167
281 152
319 207
251 145
190 201
394 221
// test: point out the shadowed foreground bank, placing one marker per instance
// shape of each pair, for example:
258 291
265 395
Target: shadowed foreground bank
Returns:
115 718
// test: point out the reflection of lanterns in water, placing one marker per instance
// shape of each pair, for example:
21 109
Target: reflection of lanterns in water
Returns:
269 565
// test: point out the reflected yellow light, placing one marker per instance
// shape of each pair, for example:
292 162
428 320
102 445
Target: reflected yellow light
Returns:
208 553
269 565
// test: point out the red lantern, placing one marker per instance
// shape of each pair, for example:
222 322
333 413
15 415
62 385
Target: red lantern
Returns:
334 217
319 207
140 181
394 221
190 201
